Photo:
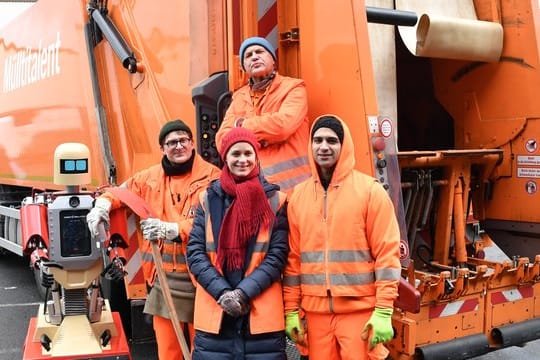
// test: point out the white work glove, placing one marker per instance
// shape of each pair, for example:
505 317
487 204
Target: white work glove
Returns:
155 229
99 213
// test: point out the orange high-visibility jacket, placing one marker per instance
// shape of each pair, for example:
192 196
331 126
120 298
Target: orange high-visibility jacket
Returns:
280 123
173 199
344 242
266 296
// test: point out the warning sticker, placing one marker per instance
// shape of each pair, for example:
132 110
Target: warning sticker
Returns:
528 172
386 128
528 160
531 145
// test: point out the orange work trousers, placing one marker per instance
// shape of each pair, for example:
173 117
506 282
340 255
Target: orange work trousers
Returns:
339 337
166 340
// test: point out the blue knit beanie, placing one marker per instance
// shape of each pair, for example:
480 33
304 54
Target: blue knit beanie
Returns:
256 41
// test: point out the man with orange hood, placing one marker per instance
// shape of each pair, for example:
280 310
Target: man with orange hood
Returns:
343 268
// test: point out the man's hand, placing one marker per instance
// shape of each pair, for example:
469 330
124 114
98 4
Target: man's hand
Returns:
99 213
155 229
380 324
234 302
294 328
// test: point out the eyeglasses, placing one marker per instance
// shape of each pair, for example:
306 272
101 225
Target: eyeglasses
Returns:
172 144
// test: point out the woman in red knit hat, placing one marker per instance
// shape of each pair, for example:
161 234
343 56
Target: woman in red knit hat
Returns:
237 251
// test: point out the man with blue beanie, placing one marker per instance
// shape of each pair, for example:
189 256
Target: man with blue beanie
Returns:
274 108
256 41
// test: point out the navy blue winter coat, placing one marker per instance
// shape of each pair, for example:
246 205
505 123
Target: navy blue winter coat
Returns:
235 340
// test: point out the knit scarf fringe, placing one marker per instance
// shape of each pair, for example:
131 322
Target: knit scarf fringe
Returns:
247 228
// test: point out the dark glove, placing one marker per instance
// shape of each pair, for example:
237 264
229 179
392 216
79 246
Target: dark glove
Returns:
234 302
115 270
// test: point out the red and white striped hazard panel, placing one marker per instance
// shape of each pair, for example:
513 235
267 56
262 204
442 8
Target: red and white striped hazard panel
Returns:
267 21
511 295
134 262
453 308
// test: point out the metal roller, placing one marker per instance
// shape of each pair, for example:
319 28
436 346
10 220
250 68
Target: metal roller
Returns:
517 334
458 349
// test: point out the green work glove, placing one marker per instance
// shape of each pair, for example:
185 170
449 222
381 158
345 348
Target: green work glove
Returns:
380 323
293 327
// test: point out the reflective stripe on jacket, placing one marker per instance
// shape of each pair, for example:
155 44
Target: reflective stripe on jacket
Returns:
262 277
280 123
344 242
173 199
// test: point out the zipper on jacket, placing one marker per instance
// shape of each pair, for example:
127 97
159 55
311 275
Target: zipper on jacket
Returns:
326 271
325 197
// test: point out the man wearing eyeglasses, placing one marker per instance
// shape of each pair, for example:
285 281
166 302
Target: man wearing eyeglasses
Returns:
172 189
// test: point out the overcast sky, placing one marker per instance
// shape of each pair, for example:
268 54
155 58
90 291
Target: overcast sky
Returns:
9 10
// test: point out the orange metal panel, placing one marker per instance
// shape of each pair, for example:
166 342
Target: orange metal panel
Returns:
404 343
509 305
451 320
495 105
536 300
335 63
56 106
41 104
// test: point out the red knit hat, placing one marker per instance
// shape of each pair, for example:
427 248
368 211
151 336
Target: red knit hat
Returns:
238 134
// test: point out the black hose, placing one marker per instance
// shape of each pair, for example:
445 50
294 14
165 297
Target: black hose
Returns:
391 16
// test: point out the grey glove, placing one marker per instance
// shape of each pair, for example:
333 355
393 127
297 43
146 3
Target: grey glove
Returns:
234 302
155 229
99 213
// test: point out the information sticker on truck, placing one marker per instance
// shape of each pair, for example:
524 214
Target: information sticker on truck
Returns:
527 160
528 173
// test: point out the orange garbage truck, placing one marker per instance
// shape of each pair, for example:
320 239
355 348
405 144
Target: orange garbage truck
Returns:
440 98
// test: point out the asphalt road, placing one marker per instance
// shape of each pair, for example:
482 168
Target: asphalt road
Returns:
19 301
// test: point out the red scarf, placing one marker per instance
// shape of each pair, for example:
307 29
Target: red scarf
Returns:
248 212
